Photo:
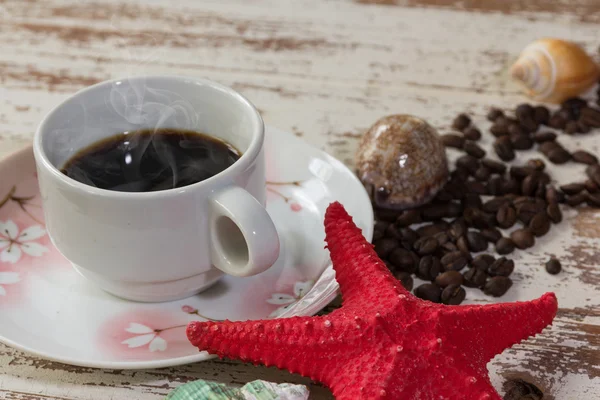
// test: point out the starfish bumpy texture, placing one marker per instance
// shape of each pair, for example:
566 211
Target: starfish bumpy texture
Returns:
383 343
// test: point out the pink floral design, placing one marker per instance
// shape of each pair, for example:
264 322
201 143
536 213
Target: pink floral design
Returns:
14 243
294 205
145 336
287 300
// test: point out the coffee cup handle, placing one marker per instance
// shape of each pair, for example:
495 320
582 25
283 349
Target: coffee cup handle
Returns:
244 240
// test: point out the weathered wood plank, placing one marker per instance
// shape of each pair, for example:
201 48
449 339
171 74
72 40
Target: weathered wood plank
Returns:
325 70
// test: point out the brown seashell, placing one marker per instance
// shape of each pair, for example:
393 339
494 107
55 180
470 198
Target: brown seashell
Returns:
553 70
402 162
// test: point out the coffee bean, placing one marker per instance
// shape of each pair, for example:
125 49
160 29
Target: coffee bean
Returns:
593 172
468 162
557 122
494 114
491 235
574 103
474 278
539 224
448 247
482 261
568 114
429 268
409 217
541 115
576 199
523 238
554 213
385 214
404 260
514 129
504 149
476 241
377 235
454 261
472 149
571 127
393 231
494 166
593 199
583 157
494 204
476 187
536 164
449 278
405 279
463 245
472 133
407 237
590 116
495 186
453 295
553 195
519 172
500 127
573 188
521 142
453 140
383 247
432 229
540 137
472 200
381 226
530 184
505 246
510 186
518 389
501 267
525 212
553 266
461 122
483 220
591 187
497 286
483 173
583 127
426 245
457 229
524 111
437 211
430 292
457 176
559 156
529 125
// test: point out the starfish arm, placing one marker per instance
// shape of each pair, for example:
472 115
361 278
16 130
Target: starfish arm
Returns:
298 344
363 278
490 329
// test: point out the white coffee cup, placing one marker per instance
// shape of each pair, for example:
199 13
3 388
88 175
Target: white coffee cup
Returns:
162 245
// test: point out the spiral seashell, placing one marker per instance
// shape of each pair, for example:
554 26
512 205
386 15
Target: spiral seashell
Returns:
553 70
402 162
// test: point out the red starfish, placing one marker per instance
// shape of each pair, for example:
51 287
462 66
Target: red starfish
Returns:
383 343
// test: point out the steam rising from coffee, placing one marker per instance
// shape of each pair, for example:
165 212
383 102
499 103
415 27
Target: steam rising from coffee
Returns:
155 147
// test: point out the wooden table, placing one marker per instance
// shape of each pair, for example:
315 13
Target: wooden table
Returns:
324 70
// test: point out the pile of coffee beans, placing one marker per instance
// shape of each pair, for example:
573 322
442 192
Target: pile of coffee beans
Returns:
437 242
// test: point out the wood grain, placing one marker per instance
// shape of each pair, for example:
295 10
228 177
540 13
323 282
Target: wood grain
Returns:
326 71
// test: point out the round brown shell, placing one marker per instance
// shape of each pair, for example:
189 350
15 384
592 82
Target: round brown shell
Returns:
402 162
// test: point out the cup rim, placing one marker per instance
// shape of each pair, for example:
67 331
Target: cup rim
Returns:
243 163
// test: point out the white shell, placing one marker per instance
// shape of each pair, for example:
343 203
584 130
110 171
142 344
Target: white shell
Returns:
554 70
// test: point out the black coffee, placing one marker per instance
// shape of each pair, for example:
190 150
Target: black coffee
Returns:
151 160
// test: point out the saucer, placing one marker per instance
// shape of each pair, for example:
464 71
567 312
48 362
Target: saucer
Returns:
48 309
